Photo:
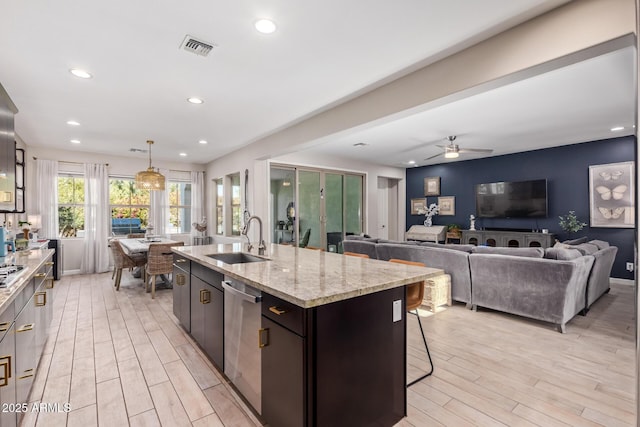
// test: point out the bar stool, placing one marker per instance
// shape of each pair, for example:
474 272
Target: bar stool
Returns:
415 294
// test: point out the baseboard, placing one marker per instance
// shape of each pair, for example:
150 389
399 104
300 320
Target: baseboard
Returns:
626 282
71 272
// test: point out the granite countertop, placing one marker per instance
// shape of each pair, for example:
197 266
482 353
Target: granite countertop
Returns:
310 278
32 260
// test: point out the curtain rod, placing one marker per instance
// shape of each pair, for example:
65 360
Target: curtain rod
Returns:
69 162
107 164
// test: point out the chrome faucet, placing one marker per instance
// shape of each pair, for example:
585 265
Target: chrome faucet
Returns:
245 230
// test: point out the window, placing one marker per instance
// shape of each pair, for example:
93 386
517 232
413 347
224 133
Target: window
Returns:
129 206
70 205
179 207
235 205
219 186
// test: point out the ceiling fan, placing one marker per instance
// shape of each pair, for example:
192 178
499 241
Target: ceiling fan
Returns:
452 151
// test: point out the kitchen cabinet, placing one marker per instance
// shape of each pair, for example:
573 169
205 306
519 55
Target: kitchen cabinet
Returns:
43 303
207 312
7 370
182 291
298 389
26 362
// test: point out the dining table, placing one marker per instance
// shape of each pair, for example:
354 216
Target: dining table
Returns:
141 246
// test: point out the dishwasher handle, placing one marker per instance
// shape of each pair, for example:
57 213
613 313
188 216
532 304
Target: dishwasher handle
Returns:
238 293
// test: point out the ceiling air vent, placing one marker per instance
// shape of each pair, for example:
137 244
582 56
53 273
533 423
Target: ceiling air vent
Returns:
137 150
193 45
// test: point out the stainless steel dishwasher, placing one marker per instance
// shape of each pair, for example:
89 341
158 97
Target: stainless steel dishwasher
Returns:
242 311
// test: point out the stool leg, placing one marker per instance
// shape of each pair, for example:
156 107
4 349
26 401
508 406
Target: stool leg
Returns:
153 287
428 353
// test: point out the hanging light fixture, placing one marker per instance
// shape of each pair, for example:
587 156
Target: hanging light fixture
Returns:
150 179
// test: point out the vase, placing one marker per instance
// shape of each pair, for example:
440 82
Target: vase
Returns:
428 222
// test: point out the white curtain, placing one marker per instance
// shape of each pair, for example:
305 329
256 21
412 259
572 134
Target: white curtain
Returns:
197 200
159 214
95 257
47 197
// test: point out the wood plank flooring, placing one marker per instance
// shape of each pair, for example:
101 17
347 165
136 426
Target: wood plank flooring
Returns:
119 358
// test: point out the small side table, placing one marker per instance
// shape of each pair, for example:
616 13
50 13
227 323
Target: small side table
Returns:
437 291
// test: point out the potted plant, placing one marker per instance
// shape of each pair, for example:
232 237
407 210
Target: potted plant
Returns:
570 223
453 230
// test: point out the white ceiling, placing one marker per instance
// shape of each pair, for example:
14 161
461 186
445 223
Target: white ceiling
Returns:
253 84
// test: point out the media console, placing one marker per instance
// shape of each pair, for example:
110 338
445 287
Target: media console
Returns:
512 239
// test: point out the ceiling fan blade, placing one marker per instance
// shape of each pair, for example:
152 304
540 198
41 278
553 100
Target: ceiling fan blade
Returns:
433 157
475 150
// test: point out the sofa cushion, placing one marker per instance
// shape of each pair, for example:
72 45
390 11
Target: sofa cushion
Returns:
398 242
562 254
601 244
576 241
522 252
586 248
455 247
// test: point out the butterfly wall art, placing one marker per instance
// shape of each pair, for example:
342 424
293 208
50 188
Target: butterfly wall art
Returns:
611 197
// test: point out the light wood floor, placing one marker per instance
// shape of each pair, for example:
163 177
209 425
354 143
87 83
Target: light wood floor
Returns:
120 359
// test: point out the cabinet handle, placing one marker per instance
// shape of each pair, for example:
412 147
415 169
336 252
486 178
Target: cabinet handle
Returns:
205 296
181 279
50 283
26 328
44 299
40 275
263 332
6 365
49 263
4 326
277 310
25 376
181 260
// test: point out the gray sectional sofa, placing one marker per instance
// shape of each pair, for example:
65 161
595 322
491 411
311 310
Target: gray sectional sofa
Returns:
551 285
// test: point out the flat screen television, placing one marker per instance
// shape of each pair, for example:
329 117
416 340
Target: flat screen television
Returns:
523 199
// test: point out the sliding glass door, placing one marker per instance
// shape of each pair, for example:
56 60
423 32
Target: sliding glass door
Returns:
327 205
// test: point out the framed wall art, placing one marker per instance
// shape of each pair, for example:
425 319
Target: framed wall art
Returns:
432 186
611 195
418 206
447 205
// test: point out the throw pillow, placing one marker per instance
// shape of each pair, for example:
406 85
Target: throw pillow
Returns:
576 241
585 248
601 244
562 254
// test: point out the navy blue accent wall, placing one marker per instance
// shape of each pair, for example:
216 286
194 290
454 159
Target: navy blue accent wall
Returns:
566 169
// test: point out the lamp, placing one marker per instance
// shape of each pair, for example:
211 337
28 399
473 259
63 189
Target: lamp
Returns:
150 179
451 151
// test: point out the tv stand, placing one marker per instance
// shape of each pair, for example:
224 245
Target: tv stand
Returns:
512 239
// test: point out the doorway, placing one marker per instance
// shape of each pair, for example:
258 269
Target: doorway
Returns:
387 223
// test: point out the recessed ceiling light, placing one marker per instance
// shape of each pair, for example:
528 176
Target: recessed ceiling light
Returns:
195 100
80 73
75 141
183 154
265 26
202 141
617 128
412 162
73 123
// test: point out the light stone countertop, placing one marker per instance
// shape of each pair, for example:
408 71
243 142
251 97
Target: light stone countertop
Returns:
32 260
310 278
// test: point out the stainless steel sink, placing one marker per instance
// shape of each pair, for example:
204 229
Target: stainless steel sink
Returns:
236 258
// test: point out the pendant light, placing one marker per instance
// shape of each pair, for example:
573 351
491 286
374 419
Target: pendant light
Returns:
150 179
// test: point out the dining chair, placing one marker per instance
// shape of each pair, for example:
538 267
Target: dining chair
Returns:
159 261
122 260
415 294
355 254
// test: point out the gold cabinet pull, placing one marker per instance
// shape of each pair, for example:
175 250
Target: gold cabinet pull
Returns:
40 275
277 310
28 375
181 260
205 296
26 328
49 284
263 332
49 263
44 299
181 279
5 362
4 326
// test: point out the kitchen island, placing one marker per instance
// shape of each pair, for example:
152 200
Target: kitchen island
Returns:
331 336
